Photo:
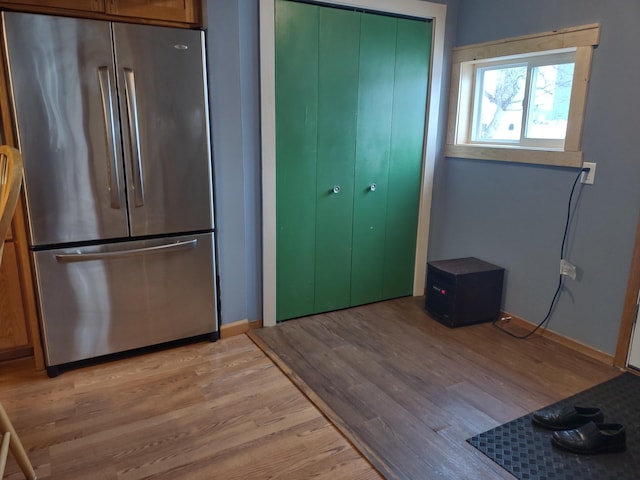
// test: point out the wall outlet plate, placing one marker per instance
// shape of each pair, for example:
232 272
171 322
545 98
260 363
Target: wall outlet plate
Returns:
588 177
567 268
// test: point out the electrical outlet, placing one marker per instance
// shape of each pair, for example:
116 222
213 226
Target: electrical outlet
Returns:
567 268
588 177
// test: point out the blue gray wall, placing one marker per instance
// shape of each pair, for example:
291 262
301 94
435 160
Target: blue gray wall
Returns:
513 215
509 214
234 82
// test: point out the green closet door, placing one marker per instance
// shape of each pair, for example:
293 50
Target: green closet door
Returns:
296 146
350 107
413 53
373 142
337 104
394 62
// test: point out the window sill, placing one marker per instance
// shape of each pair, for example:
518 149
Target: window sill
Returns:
557 158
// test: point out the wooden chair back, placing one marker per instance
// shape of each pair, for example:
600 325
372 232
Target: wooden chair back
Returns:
10 182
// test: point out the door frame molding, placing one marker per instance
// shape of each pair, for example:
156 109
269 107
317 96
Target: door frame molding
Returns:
629 308
413 8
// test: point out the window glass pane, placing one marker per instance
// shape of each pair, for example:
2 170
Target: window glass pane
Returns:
549 102
498 106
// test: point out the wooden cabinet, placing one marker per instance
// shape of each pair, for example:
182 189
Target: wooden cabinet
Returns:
86 5
172 11
19 330
14 337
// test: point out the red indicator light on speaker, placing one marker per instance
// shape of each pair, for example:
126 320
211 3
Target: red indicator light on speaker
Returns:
443 291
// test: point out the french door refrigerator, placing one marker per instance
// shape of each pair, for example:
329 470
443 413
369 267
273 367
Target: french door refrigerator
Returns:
114 131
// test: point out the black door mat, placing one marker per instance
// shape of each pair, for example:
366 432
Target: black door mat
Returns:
526 450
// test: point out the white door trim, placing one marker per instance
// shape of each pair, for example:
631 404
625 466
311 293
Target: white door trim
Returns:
413 8
633 355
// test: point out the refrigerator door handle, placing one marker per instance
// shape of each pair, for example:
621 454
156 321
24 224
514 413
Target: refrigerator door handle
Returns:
109 125
134 135
86 257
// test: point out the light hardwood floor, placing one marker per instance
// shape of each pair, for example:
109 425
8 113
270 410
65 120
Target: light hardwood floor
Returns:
218 410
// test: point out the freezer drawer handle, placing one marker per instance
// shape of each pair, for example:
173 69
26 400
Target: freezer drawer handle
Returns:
109 125
134 136
86 257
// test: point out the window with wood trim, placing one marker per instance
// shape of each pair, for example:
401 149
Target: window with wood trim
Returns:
522 99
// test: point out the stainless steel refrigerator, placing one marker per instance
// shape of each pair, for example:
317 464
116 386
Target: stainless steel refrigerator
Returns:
113 125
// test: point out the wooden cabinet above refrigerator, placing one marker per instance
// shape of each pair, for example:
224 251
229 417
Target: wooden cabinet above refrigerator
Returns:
175 12
19 331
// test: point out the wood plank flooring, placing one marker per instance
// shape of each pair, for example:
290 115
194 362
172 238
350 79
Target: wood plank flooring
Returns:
408 391
218 410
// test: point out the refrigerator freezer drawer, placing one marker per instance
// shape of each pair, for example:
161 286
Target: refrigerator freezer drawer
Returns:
111 298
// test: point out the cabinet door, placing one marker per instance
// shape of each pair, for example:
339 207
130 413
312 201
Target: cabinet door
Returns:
13 328
186 11
86 5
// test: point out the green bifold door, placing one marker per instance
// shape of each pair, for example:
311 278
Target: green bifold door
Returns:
351 94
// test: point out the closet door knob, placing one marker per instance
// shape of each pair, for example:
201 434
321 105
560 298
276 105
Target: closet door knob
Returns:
336 189
373 187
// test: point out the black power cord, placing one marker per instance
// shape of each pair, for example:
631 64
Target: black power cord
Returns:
561 277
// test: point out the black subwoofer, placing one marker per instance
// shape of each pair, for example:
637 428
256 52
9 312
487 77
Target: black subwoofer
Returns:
464 291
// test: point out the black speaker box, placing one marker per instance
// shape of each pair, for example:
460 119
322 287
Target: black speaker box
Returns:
464 291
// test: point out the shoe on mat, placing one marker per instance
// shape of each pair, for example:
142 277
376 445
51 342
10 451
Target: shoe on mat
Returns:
592 438
567 418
